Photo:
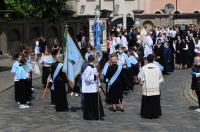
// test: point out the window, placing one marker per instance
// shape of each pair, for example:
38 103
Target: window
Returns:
82 10
97 7
116 9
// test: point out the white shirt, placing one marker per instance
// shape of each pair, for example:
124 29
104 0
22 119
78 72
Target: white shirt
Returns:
88 80
112 46
173 34
46 59
122 41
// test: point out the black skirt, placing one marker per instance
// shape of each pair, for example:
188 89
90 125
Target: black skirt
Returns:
60 96
45 74
92 108
115 95
150 107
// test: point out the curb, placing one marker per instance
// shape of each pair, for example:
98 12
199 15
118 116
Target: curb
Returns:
192 96
13 86
187 91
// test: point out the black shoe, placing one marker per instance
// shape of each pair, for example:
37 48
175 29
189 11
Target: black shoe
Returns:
111 109
122 110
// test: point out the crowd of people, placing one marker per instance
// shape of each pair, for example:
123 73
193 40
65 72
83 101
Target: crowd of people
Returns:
139 56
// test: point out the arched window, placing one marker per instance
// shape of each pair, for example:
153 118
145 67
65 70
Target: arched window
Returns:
177 12
196 12
35 32
157 12
148 23
14 35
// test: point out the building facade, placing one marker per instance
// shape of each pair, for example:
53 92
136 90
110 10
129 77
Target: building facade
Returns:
120 8
183 6
185 12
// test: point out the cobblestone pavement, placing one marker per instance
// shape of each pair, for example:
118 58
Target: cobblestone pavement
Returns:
41 117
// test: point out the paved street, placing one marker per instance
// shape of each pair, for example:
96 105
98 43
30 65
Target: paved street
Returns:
5 77
41 117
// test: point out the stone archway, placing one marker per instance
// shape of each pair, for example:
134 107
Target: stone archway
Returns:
52 34
116 21
14 41
148 24
35 32
119 20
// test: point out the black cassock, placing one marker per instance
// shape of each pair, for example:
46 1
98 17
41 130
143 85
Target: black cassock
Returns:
116 89
179 52
191 53
60 96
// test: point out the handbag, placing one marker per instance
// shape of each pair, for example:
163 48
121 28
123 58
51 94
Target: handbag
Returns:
36 69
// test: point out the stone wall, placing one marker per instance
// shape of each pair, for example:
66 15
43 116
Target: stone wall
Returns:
18 34
3 43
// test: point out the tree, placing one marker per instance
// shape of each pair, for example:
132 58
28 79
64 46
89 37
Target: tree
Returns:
34 8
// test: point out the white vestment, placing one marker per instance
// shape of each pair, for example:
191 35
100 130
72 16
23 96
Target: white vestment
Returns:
148 45
151 77
88 80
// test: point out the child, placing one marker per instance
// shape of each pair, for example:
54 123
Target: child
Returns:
196 79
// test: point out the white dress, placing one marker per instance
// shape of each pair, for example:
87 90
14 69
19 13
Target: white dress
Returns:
148 43
37 48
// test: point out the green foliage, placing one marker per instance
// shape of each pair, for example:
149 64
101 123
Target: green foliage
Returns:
49 9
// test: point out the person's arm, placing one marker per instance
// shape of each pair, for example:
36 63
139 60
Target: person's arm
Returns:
141 76
161 79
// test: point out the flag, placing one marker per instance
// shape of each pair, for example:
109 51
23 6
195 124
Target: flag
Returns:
73 60
97 32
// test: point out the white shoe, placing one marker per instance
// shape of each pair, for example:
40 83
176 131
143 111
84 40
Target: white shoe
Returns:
72 93
197 110
26 106
22 106
76 94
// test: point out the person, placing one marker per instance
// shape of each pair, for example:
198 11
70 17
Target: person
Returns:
15 66
112 44
166 59
37 49
42 44
58 88
178 53
195 85
150 77
191 47
122 41
184 53
134 69
158 51
123 60
88 53
29 68
115 84
55 48
148 45
92 105
46 61
21 74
